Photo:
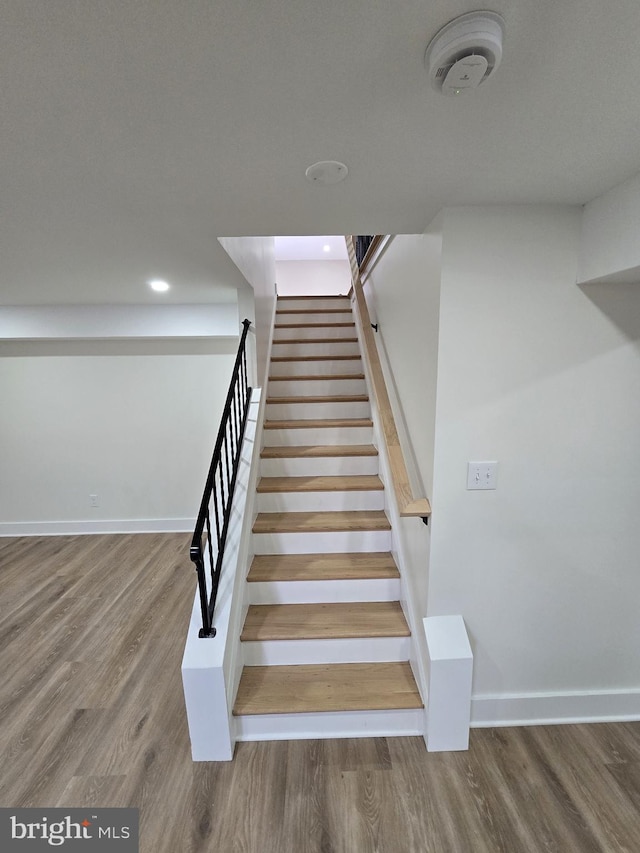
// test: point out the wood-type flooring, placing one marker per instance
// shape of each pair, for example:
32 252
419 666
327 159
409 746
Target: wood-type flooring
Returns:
92 631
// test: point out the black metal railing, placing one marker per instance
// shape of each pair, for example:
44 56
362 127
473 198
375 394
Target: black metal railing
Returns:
362 247
207 545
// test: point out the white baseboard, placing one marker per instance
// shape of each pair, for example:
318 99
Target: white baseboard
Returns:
75 528
537 709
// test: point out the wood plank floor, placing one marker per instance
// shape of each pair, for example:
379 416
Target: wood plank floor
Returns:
92 714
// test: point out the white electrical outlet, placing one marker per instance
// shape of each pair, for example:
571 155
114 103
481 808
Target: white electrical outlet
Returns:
93 500
482 475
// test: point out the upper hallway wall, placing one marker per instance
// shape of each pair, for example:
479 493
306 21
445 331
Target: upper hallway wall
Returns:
313 278
609 244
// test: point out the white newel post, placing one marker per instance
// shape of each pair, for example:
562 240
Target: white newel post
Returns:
450 673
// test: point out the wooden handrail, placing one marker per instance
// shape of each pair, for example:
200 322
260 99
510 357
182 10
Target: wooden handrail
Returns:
409 505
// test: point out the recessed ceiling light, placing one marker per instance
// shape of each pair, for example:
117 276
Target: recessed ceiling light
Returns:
326 172
158 285
326 248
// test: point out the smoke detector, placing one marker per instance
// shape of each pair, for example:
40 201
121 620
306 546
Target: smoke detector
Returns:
465 52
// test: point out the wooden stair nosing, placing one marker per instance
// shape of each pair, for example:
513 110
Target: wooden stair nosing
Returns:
319 423
314 310
359 565
316 357
324 621
318 451
326 687
336 483
277 341
321 522
313 378
331 398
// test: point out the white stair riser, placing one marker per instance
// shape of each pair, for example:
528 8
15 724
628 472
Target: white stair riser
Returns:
315 387
300 652
281 333
323 466
400 723
335 542
314 304
318 317
320 501
310 592
282 349
317 435
316 368
301 411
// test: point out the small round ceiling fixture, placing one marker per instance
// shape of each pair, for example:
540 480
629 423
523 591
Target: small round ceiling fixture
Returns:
465 52
158 285
326 172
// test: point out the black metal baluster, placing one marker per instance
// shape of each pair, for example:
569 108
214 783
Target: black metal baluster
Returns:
229 446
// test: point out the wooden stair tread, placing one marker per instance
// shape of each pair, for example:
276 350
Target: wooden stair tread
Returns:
326 687
322 423
320 377
336 483
321 522
341 310
313 567
277 341
315 357
313 325
318 451
324 621
330 398
315 296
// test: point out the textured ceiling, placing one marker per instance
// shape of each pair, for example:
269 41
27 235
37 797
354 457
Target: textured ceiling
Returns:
133 134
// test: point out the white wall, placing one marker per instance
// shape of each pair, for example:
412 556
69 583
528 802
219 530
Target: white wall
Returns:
138 431
71 322
313 278
255 258
544 377
609 245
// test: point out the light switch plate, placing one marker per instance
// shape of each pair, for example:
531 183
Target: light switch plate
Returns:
482 475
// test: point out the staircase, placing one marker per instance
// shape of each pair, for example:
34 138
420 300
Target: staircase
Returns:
325 641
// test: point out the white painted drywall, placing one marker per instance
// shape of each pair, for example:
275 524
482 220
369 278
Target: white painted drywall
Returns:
255 258
70 322
138 431
313 278
609 244
543 376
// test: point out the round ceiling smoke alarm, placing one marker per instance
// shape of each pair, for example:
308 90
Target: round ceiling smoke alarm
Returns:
326 172
465 52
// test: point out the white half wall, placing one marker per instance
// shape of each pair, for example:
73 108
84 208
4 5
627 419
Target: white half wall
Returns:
137 431
544 377
255 258
609 244
313 278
